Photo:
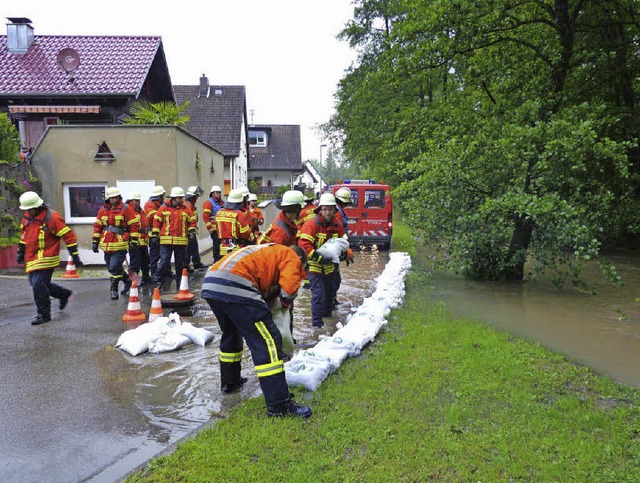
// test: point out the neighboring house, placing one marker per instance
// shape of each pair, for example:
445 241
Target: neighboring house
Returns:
310 179
275 157
218 116
54 79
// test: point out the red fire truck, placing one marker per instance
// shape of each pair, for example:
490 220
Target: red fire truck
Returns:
370 215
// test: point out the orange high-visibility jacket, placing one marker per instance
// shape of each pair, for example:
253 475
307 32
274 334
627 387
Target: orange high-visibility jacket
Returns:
312 236
144 228
254 275
115 226
210 208
173 223
150 209
233 229
281 231
41 236
306 214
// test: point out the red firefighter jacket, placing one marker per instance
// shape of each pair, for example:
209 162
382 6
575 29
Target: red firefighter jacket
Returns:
256 219
144 226
41 236
173 223
254 275
306 214
233 230
115 226
312 236
210 208
281 231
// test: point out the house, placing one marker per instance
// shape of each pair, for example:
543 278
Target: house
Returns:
53 79
310 180
218 116
275 157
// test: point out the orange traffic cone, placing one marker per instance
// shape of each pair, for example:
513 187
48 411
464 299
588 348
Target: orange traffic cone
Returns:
156 305
183 293
134 311
70 271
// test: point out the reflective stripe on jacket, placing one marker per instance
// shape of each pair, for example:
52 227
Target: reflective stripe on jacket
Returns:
173 224
41 236
210 208
281 231
312 236
232 225
254 275
125 224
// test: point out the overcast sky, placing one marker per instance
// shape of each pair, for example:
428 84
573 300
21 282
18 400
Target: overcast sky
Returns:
284 51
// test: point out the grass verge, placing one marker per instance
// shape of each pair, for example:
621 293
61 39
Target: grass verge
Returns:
433 397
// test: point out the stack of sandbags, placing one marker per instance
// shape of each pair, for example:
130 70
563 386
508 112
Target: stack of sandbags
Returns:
162 335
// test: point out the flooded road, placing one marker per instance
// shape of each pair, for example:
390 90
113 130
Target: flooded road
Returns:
74 408
601 330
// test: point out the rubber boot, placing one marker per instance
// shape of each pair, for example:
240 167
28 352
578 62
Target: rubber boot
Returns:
114 289
127 283
288 409
41 319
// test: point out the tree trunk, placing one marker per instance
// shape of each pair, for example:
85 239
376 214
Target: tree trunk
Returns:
520 240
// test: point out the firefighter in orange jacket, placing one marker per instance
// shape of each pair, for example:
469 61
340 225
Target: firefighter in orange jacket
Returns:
210 208
313 234
139 253
239 288
114 229
155 201
232 223
193 250
283 230
41 229
255 215
173 224
308 211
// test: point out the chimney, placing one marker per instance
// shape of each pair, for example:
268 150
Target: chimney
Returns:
204 87
19 35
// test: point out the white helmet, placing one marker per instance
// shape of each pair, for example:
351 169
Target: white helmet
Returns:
158 190
292 197
327 199
253 197
29 200
245 191
344 195
176 192
112 191
235 196
215 188
192 191
134 195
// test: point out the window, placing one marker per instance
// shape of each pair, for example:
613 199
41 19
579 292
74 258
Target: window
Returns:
82 201
374 199
354 198
257 138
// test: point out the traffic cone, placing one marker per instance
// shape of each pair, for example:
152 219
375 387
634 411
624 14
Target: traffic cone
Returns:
183 293
70 271
134 311
156 306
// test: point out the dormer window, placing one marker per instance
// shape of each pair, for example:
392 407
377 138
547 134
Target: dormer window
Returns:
257 138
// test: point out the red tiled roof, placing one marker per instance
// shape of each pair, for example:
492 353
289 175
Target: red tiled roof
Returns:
108 65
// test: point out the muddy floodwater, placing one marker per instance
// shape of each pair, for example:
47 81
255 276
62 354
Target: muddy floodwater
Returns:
600 330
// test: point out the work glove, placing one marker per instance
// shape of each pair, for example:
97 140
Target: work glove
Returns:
94 246
193 237
134 242
21 249
154 242
286 302
73 251
349 256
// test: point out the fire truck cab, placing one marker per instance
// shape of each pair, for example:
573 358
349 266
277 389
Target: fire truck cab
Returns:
370 214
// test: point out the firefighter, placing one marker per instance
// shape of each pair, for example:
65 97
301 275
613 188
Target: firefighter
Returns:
41 229
232 223
308 210
343 199
173 225
193 250
239 288
114 229
283 230
313 234
209 209
255 215
139 253
154 202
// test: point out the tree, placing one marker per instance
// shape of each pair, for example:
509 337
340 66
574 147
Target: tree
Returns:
157 113
513 123
9 139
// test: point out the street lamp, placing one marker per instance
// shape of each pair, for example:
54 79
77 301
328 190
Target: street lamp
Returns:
321 183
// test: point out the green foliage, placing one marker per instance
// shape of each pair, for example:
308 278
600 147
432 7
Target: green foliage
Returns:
253 186
9 139
280 190
508 130
157 113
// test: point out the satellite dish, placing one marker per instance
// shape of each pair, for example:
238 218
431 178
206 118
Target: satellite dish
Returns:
69 60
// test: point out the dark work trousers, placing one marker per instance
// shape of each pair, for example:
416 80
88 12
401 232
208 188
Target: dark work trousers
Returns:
114 261
338 280
44 289
193 253
255 324
154 257
322 289
164 264
215 246
139 257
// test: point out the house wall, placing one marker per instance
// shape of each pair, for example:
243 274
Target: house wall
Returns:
278 178
165 155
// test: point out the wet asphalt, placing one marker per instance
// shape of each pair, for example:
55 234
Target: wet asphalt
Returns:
75 408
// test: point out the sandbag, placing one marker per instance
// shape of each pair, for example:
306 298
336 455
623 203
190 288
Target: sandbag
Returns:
306 372
333 248
170 341
197 335
136 341
282 319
